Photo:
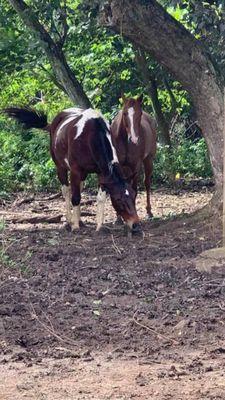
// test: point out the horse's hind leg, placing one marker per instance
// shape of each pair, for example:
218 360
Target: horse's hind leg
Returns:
66 192
148 169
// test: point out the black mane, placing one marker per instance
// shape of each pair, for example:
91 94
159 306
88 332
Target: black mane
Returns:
113 169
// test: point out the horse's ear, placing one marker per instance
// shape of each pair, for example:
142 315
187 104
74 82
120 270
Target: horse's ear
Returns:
140 98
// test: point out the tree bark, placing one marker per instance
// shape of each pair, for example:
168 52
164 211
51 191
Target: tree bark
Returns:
146 24
161 120
151 86
55 55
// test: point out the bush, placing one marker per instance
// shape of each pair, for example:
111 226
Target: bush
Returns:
25 161
186 159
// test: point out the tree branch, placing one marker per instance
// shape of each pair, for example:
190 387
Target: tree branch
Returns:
151 86
53 78
54 53
65 25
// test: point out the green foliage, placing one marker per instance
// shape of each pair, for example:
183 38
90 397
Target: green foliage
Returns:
105 64
25 161
186 159
205 20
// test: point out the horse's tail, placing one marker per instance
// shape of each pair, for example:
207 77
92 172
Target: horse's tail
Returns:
28 117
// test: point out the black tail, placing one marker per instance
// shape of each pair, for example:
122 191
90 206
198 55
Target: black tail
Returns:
28 117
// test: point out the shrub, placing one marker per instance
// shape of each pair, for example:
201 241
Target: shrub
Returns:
186 159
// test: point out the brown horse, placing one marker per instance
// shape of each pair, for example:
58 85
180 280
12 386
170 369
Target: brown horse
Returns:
80 144
133 134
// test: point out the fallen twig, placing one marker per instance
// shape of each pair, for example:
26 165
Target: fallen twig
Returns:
154 331
19 202
116 248
51 330
52 197
38 219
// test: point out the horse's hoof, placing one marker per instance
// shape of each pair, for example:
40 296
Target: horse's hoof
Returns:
135 230
103 230
119 221
82 224
74 229
67 227
149 217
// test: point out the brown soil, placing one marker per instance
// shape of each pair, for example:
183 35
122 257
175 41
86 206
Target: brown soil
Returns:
90 316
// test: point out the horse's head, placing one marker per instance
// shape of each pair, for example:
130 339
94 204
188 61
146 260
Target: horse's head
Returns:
131 114
123 201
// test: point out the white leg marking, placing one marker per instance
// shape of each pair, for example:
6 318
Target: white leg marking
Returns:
75 218
66 192
134 137
101 198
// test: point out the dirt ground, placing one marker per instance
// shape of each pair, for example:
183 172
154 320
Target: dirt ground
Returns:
88 316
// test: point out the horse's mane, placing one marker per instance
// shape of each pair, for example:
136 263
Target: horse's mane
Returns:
115 171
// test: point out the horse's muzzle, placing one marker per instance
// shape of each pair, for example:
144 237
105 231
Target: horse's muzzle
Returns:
133 229
136 229
134 140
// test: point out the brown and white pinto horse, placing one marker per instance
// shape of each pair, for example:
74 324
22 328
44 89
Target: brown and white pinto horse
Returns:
133 134
80 144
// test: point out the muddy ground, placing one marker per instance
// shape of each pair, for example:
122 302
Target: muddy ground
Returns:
99 317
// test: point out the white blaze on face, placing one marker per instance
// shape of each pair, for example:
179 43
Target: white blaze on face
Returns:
127 192
134 137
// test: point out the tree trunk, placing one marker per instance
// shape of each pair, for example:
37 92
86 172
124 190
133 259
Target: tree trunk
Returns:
55 55
161 120
151 86
150 27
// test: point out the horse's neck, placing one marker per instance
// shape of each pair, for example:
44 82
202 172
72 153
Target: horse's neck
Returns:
122 132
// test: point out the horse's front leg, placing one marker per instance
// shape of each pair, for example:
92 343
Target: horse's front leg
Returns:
101 199
66 191
75 200
148 168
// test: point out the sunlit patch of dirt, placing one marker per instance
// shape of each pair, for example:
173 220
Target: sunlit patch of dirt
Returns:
89 316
